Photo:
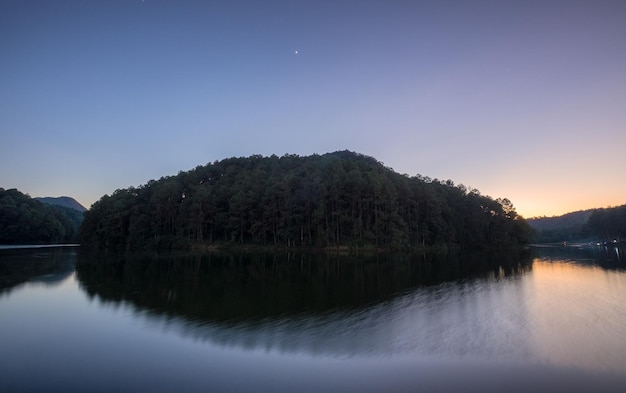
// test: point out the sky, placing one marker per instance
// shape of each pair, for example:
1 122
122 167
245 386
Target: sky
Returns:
524 100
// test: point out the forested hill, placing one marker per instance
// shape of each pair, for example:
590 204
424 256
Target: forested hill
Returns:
24 220
567 227
63 201
608 224
603 224
336 199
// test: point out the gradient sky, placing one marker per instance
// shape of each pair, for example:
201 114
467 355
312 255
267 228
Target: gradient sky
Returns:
523 100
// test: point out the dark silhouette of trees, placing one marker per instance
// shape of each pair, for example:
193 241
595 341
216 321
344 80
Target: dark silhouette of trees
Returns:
340 199
24 220
607 224
567 227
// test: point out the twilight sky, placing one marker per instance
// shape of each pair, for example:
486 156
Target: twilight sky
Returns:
519 99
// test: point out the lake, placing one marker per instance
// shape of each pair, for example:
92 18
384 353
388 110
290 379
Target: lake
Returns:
546 319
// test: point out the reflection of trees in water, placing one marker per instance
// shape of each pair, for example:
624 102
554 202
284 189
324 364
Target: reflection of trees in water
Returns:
607 256
49 266
233 288
282 301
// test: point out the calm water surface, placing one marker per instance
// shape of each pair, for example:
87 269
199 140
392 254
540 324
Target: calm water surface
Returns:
544 320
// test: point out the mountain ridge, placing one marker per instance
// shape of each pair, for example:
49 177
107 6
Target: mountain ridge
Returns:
64 201
582 225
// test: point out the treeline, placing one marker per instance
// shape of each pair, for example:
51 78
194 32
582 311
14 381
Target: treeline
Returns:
24 220
567 227
607 224
340 199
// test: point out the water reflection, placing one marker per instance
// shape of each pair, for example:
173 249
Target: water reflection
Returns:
577 314
609 257
535 322
47 266
320 304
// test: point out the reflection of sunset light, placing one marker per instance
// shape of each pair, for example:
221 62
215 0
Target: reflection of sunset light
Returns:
563 305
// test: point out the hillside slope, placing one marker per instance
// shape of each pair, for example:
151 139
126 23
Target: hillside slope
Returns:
340 199
63 201
602 224
24 220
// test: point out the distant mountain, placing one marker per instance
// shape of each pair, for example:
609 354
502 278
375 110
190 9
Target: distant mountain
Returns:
566 227
568 220
63 201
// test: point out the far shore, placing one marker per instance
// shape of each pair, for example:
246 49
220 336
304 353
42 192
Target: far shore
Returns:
18 246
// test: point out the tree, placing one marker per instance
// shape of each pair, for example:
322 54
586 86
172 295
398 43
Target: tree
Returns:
340 199
25 220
